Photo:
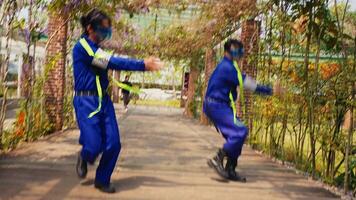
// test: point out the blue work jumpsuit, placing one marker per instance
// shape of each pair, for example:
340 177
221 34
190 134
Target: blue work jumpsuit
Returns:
217 107
100 133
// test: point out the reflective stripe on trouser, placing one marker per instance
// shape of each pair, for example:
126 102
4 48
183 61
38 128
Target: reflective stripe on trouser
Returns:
234 133
98 134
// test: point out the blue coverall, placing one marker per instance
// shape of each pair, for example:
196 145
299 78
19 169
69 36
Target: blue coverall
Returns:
217 107
100 133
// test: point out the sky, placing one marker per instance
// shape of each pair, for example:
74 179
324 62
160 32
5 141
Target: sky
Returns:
353 4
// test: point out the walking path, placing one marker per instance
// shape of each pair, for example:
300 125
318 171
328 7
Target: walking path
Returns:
163 157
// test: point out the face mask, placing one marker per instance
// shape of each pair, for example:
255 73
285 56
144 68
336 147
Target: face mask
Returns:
234 53
103 33
237 53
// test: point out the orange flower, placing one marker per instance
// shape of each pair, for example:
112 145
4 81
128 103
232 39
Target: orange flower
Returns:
21 118
328 70
19 132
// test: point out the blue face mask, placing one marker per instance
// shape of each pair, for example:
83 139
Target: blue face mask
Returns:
104 33
237 53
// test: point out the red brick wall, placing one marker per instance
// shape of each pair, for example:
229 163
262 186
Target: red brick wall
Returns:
209 68
55 82
193 76
249 37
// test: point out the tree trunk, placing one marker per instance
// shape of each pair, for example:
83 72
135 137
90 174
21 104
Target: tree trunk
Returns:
351 128
4 70
314 89
284 130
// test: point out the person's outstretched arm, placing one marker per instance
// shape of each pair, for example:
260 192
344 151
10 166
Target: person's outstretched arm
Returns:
126 64
251 85
105 60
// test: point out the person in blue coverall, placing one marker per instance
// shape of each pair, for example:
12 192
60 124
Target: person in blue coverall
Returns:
219 107
99 132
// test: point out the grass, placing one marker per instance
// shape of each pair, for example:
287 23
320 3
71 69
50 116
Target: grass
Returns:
289 151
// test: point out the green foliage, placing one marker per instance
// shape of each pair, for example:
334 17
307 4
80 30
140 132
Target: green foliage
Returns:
31 121
339 180
68 109
305 126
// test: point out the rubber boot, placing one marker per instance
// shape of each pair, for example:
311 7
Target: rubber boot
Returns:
230 167
107 189
81 167
217 163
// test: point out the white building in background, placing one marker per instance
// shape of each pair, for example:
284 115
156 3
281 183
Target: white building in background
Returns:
17 50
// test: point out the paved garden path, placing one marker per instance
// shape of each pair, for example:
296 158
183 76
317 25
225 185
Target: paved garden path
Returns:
163 157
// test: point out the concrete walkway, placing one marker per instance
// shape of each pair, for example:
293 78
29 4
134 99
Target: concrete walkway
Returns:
163 157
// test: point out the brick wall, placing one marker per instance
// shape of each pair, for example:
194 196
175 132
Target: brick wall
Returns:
55 82
193 77
209 68
249 37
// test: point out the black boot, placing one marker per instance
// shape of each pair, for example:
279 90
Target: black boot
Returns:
107 189
82 167
217 163
230 167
